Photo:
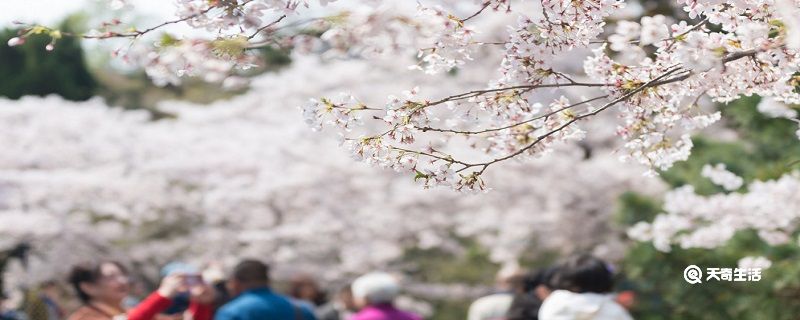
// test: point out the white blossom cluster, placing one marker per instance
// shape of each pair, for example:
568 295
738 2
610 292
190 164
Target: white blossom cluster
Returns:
169 64
222 15
654 69
720 176
754 263
655 72
245 178
690 220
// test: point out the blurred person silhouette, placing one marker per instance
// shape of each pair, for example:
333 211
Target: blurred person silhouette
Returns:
304 288
42 302
214 276
136 294
7 311
535 288
33 304
181 301
341 307
102 286
49 292
253 298
374 294
584 284
496 305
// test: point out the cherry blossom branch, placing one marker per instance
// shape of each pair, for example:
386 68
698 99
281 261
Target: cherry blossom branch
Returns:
138 33
673 38
424 129
624 97
741 54
446 158
475 93
266 26
485 5
261 44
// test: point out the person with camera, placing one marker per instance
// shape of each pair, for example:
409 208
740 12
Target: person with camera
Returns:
103 286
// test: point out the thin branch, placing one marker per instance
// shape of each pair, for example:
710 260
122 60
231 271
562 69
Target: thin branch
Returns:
424 129
266 26
475 93
138 33
256 45
738 55
486 5
692 28
447 158
650 83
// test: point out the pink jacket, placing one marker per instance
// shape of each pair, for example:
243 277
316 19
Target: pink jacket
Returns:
384 312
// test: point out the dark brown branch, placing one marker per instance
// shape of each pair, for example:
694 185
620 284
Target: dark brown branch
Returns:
486 5
266 26
138 33
738 55
649 84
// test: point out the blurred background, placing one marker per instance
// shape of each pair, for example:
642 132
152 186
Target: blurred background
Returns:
99 160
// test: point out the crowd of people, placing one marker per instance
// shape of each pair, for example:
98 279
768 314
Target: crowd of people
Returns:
577 288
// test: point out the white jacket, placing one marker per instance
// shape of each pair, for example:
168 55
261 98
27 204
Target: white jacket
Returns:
491 307
566 305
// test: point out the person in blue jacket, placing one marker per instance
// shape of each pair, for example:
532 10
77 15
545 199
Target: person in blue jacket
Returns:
254 300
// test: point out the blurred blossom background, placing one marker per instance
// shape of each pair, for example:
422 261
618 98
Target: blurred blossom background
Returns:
102 157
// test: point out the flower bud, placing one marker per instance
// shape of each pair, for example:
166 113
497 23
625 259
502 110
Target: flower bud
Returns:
16 41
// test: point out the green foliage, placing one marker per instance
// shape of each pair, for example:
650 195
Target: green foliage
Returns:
765 150
634 208
450 309
659 281
438 266
136 91
471 267
275 57
29 69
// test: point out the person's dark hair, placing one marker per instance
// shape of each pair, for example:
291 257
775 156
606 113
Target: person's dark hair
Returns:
525 305
299 281
88 272
251 272
516 283
584 273
541 277
48 284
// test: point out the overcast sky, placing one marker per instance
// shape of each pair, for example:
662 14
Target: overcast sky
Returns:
52 11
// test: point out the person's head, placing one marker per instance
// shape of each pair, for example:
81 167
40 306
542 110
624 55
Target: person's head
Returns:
3 301
375 288
510 279
542 283
584 273
345 297
49 288
535 288
248 274
105 281
304 287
